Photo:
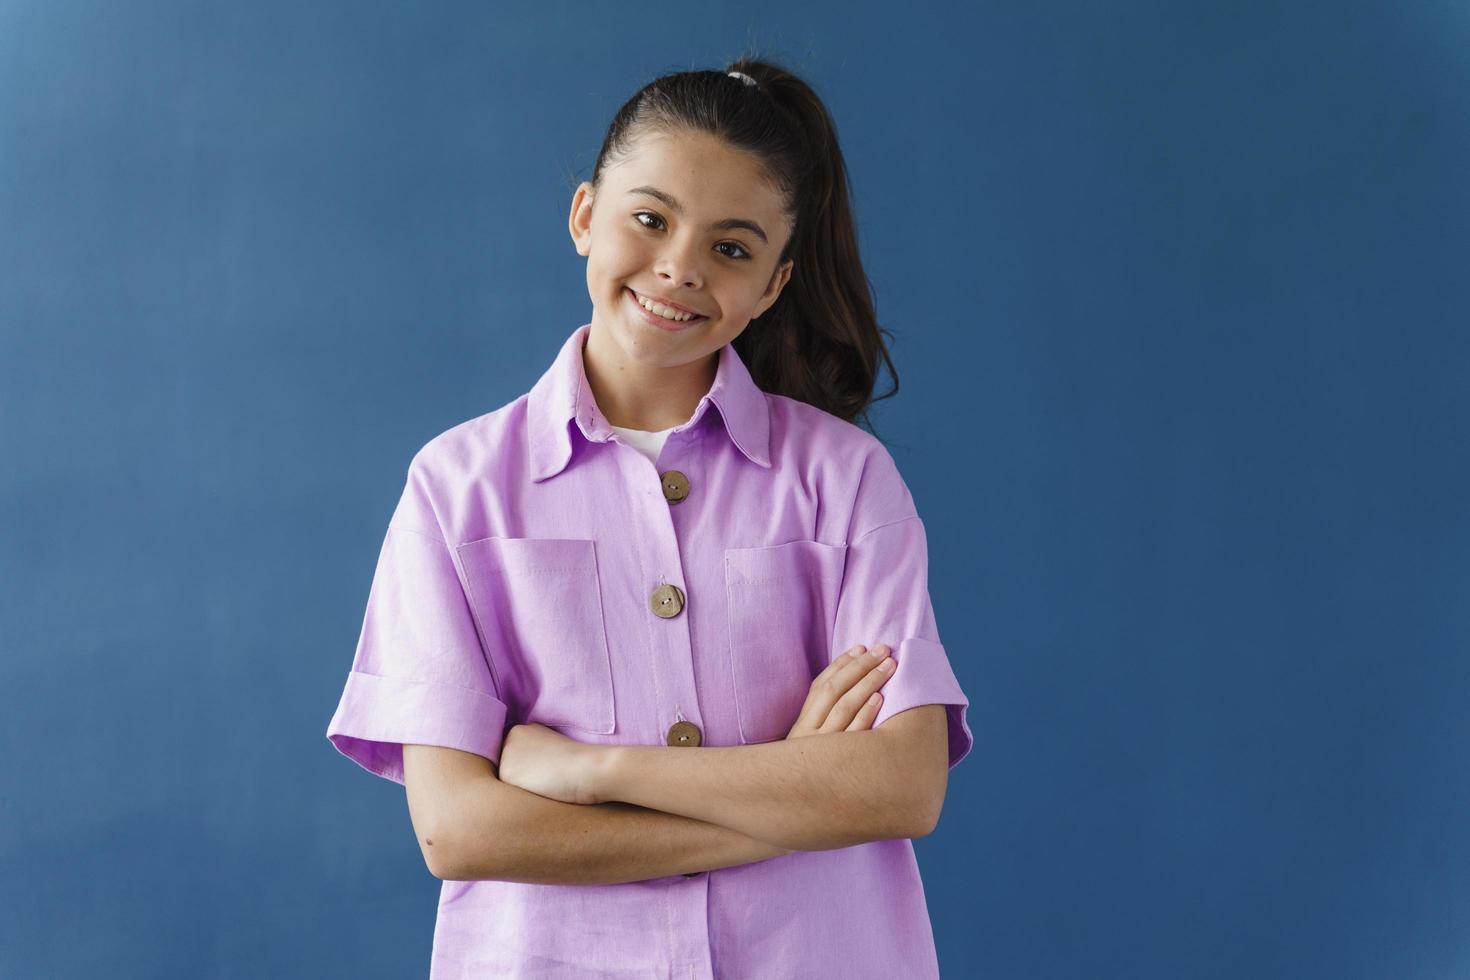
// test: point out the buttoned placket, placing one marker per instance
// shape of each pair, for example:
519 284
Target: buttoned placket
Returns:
670 650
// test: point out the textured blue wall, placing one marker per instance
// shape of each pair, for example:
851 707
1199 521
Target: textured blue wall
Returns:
1181 312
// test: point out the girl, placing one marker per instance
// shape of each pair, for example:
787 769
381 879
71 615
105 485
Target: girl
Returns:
677 539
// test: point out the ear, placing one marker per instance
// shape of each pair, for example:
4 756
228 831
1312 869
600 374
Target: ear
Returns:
779 279
579 222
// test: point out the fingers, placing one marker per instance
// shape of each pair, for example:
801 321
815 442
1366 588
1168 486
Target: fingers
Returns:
840 691
863 720
843 660
829 685
852 686
850 665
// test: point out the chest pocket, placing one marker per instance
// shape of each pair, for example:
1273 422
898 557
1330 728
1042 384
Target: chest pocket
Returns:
782 606
539 609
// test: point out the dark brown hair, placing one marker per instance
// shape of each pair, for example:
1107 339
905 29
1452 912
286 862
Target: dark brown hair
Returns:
820 342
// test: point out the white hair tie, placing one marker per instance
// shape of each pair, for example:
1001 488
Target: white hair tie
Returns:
742 76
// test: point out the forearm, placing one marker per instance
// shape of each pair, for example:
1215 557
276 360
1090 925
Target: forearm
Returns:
505 833
810 794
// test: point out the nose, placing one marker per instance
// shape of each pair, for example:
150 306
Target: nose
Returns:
678 265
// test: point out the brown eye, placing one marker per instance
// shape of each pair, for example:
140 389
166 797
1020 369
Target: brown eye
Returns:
638 216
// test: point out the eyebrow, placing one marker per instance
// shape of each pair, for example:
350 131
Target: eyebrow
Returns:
724 225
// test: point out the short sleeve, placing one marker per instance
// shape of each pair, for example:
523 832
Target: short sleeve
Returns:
885 599
420 675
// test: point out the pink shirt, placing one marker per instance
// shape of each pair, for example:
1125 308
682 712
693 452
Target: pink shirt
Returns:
514 585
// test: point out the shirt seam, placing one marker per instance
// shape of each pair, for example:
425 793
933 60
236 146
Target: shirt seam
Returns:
423 534
402 679
858 540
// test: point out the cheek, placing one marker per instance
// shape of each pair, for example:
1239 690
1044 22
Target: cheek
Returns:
625 241
749 297
621 257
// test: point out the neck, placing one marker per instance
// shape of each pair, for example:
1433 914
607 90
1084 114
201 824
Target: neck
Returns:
642 396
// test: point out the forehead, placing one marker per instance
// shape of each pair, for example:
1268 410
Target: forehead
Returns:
705 173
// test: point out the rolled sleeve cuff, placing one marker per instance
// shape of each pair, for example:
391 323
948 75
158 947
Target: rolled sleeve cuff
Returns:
923 676
377 716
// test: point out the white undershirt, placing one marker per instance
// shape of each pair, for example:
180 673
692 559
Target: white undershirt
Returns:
647 443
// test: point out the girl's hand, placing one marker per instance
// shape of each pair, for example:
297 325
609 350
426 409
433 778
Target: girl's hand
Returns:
547 763
844 697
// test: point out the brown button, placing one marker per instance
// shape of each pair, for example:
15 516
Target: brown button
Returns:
683 733
666 601
676 486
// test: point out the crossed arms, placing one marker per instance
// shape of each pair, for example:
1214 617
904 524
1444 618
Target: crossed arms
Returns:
673 810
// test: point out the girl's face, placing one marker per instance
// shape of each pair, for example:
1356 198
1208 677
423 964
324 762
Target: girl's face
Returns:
688 220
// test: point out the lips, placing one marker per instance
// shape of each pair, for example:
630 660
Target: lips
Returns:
637 296
657 322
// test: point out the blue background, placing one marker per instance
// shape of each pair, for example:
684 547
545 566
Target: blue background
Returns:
1181 311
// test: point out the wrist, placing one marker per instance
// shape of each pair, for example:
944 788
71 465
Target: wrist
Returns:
605 772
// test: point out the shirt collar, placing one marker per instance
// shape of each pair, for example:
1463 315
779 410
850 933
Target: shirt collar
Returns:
562 395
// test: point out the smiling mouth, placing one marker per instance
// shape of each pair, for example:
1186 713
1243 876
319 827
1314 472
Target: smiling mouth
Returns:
688 316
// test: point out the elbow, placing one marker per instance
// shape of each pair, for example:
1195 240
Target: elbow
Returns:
927 802
899 819
912 813
924 816
437 856
449 792
444 872
450 856
447 857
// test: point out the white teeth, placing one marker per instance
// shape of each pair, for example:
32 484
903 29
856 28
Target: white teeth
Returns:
663 311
